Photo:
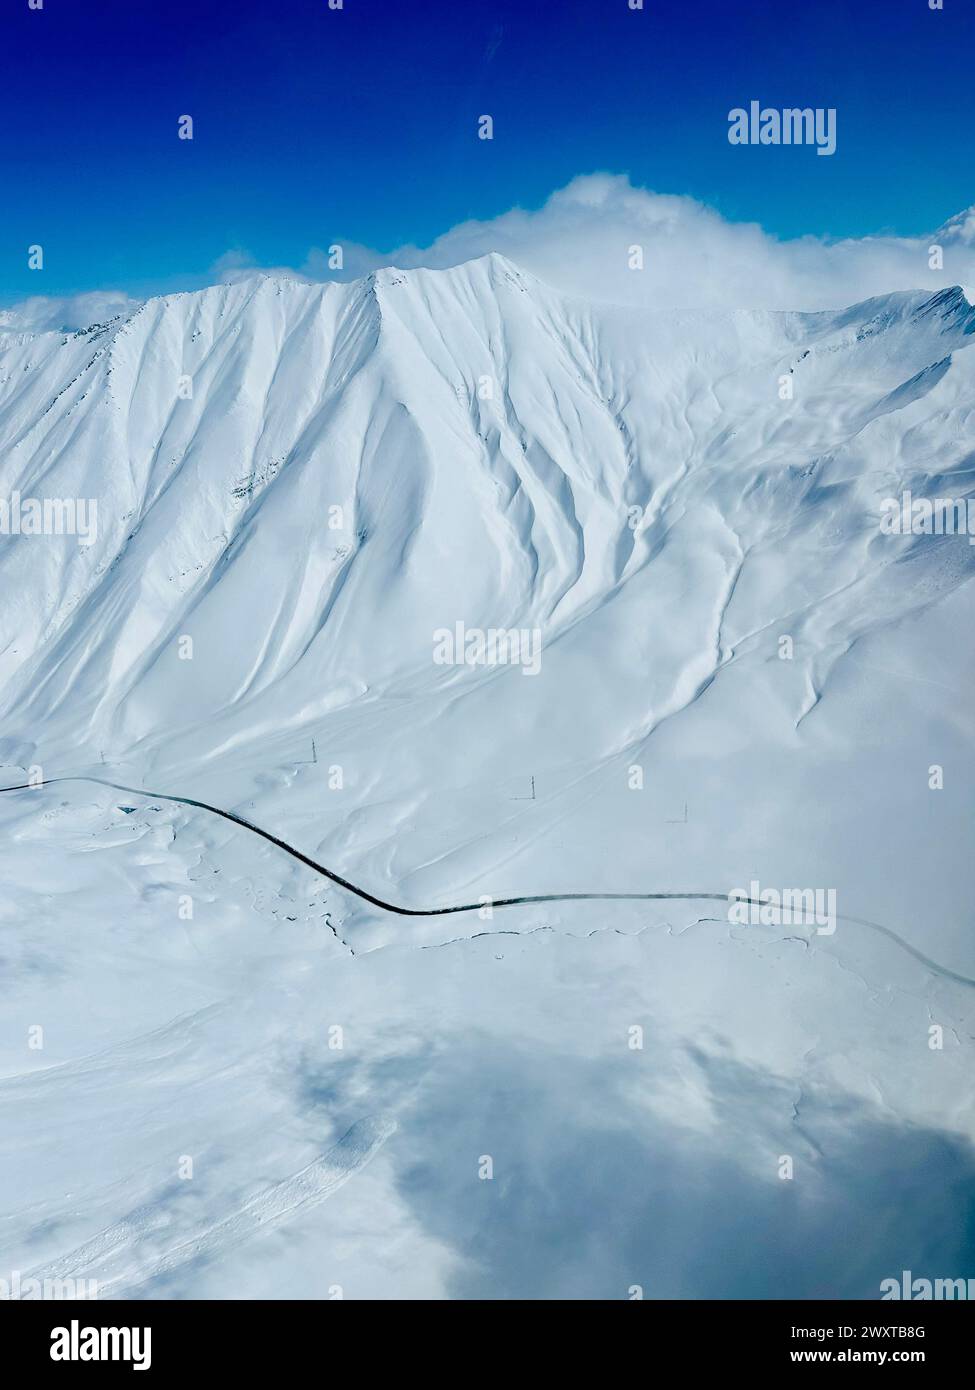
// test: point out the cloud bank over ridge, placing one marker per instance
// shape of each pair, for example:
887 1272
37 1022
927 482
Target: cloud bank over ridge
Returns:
582 240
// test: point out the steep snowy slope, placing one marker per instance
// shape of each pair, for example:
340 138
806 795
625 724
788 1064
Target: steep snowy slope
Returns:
511 510
739 677
358 467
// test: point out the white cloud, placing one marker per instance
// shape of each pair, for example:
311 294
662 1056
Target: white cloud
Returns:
579 242
41 313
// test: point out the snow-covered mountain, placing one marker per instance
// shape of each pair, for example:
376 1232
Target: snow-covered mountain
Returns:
741 677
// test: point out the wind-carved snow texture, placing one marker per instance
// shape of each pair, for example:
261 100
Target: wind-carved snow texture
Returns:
355 467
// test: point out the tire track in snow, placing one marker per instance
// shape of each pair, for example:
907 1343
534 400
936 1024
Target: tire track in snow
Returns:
304 1189
517 901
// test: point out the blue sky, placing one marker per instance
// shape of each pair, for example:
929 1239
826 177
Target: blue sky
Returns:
313 125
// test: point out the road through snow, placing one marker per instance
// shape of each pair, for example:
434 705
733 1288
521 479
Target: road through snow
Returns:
515 901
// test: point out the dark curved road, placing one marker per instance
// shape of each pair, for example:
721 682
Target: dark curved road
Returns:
520 900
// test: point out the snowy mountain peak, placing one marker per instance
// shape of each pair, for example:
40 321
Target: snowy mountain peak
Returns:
960 228
430 446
